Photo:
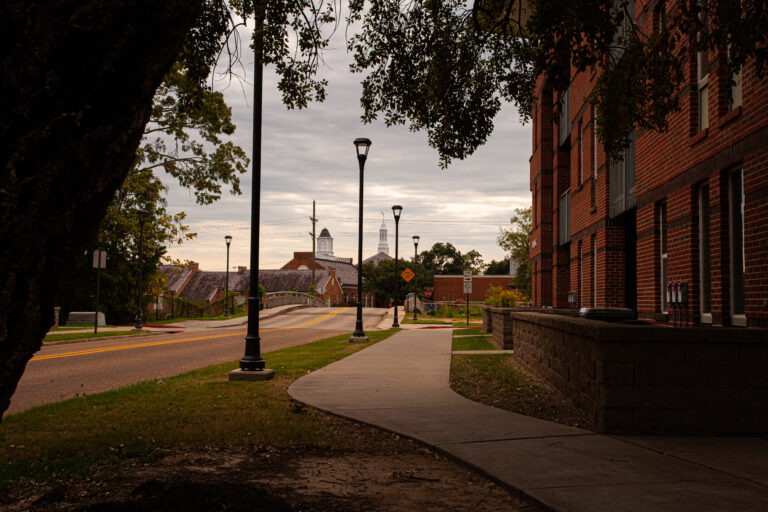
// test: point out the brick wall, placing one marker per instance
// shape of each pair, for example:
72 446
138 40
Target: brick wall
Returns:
651 379
451 288
671 168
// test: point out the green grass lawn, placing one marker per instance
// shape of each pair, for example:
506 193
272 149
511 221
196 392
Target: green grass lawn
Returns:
88 335
64 328
474 343
496 380
200 409
464 332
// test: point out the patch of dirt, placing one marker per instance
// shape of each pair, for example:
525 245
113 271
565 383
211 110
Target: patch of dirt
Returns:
501 382
410 478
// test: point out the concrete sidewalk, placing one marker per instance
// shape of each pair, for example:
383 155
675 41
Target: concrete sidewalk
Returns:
402 384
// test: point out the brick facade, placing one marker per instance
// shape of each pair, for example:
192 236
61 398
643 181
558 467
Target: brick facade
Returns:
451 288
686 190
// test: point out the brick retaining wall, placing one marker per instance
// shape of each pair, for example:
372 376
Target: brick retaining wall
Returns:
650 379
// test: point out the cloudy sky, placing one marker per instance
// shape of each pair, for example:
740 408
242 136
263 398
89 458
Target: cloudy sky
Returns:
308 155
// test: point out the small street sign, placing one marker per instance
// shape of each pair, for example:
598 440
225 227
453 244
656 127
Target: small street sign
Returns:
99 259
467 287
468 275
407 274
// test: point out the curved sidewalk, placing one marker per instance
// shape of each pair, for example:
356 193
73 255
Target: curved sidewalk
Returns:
402 384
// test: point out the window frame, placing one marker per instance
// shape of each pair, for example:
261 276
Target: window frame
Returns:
705 261
663 255
737 318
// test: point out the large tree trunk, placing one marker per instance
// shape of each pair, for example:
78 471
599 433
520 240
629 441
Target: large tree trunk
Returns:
76 87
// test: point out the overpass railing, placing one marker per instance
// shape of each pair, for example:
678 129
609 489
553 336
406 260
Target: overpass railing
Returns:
275 299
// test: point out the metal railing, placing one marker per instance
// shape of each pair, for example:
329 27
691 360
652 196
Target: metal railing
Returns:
275 299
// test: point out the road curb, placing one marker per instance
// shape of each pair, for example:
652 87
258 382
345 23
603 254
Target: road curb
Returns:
101 338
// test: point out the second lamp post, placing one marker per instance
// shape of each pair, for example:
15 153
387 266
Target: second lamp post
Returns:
396 210
416 239
361 146
227 239
139 309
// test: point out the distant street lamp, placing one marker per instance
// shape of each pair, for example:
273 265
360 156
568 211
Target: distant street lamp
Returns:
396 210
142 219
361 146
416 239
228 240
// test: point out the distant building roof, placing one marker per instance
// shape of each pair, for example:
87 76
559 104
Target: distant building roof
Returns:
346 273
176 276
378 258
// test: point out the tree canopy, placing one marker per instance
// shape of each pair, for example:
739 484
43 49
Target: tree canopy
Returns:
515 240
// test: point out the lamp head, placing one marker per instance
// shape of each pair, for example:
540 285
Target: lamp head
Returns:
397 210
142 213
362 146
416 239
228 239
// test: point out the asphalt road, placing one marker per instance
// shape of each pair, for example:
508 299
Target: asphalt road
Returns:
62 371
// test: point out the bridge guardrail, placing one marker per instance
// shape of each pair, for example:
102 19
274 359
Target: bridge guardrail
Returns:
275 299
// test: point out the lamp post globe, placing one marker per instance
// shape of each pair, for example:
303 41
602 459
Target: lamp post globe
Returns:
228 240
362 145
396 211
142 214
416 239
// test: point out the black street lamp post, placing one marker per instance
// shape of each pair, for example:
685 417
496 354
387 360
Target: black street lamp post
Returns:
142 219
252 365
396 210
361 146
416 239
228 240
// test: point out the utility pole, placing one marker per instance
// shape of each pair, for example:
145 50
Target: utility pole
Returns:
313 219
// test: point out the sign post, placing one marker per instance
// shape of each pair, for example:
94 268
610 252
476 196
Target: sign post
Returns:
467 290
99 262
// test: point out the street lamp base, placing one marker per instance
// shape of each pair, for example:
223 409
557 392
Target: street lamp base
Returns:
358 339
251 375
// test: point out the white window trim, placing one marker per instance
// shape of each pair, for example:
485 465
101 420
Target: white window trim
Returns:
594 271
705 317
664 255
737 319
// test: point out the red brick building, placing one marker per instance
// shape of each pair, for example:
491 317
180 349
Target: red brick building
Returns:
689 205
344 271
451 288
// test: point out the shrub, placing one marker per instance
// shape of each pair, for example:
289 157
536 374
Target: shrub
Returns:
497 296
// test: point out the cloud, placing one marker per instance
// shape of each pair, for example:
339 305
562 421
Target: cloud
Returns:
308 155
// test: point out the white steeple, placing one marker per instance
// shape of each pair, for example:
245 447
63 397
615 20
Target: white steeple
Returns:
324 244
383 245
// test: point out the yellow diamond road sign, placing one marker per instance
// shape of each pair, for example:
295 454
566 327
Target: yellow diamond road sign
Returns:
407 274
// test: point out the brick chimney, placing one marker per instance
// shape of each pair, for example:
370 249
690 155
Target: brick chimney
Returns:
241 269
194 266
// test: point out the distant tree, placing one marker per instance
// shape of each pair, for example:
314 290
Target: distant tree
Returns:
498 268
442 258
473 261
380 279
515 240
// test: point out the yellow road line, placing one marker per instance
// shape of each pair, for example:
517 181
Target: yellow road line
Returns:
184 340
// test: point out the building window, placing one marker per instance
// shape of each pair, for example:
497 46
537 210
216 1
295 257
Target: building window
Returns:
623 179
581 152
581 274
705 277
663 252
738 264
594 271
564 218
702 77
564 124
594 142
734 92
